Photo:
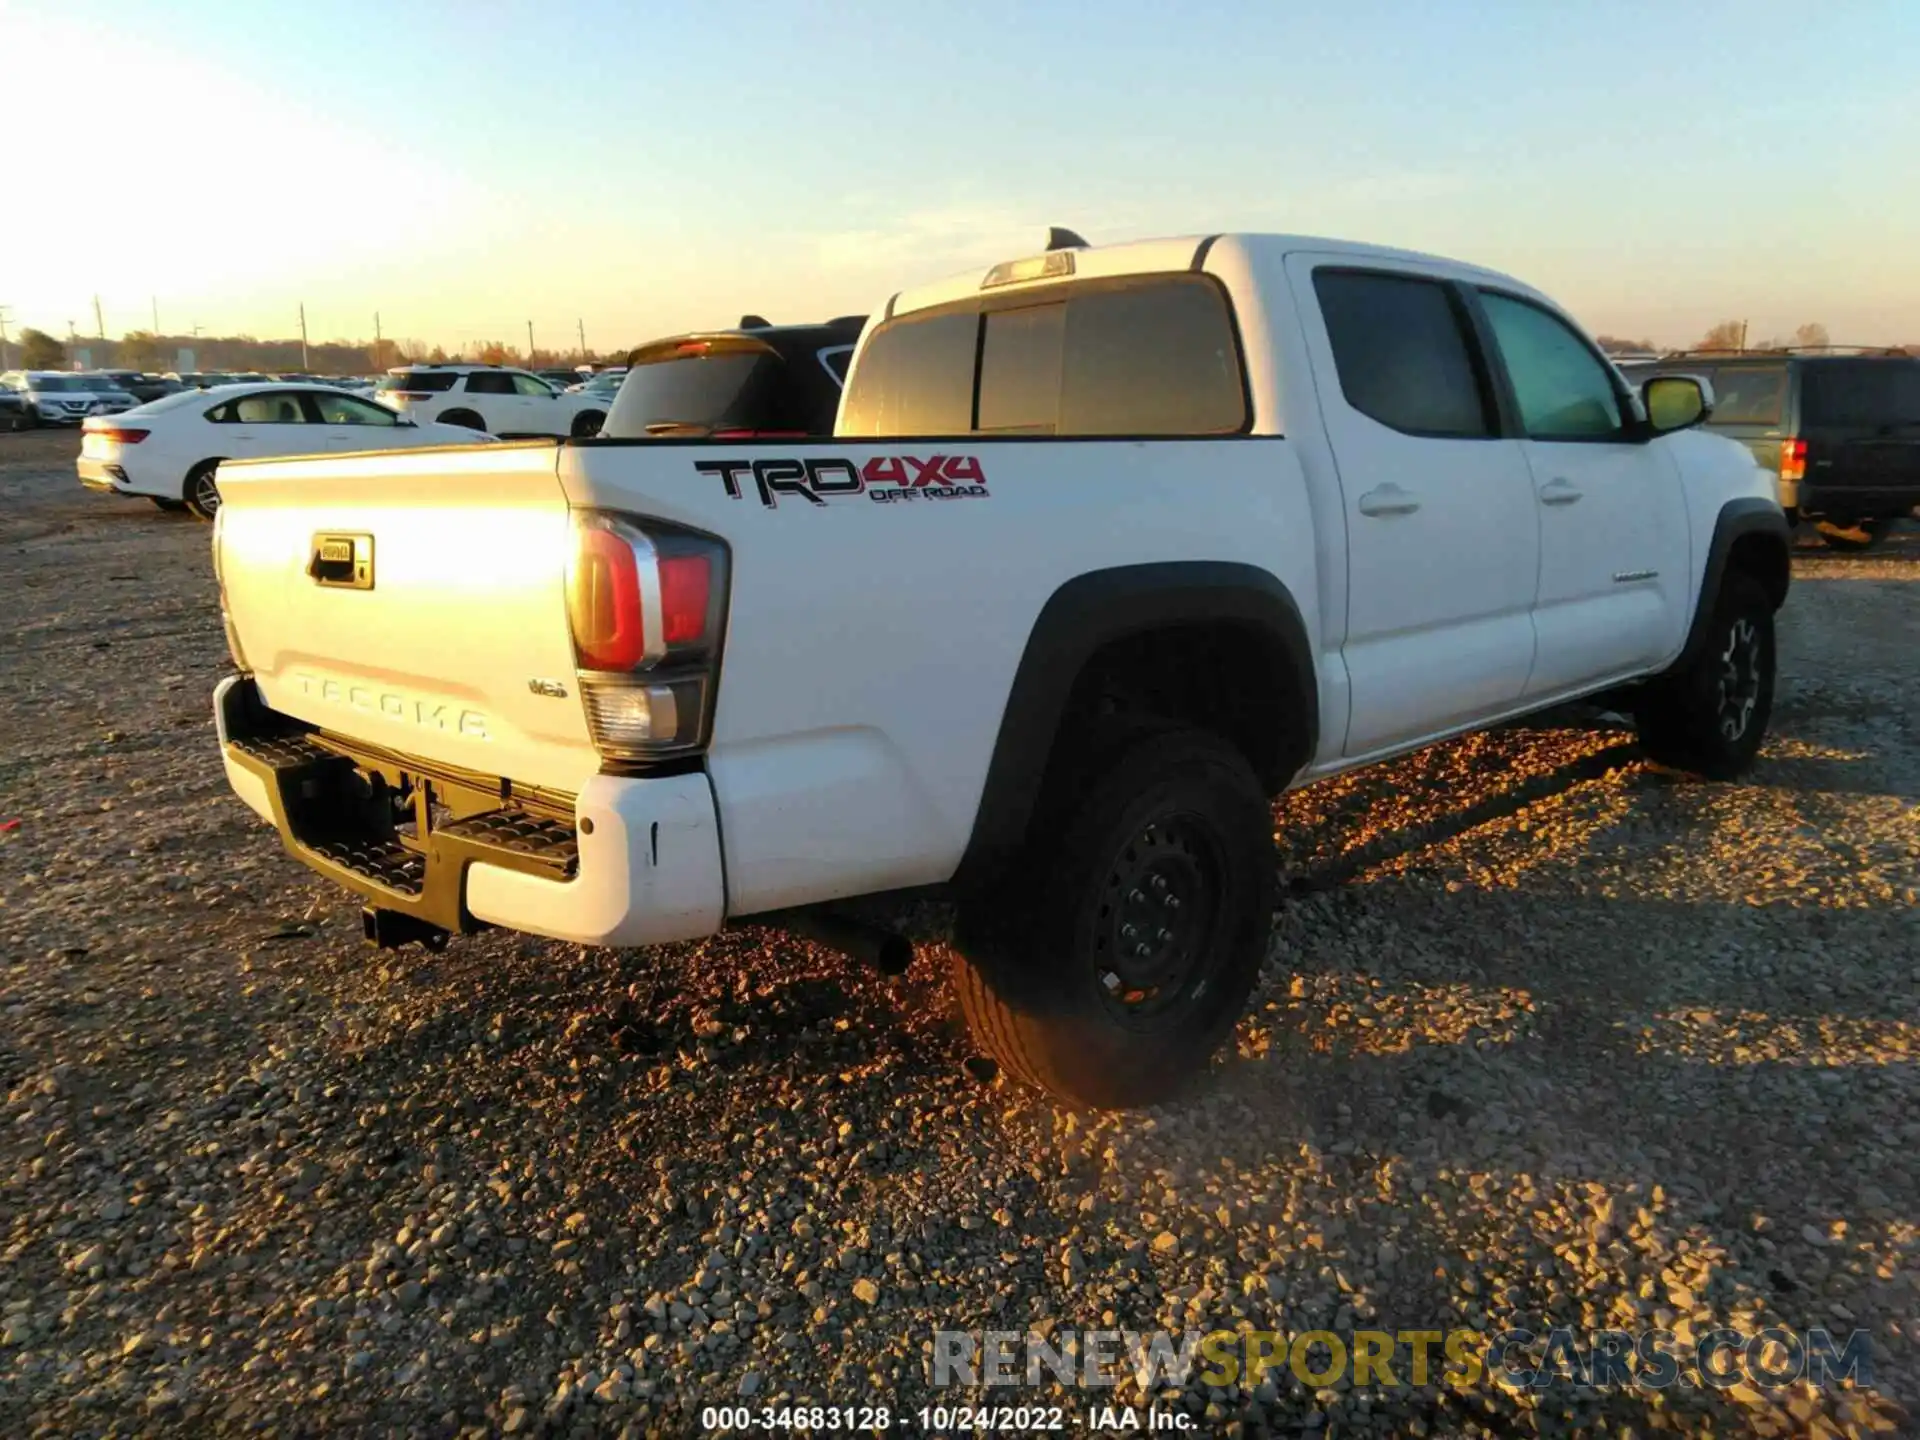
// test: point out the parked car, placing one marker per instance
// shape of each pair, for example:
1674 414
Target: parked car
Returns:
563 377
1842 431
16 411
203 379
767 379
110 397
499 400
171 450
140 385
1110 547
606 386
59 397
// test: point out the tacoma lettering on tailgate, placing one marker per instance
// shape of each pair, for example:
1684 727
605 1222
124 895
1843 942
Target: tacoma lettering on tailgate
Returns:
408 709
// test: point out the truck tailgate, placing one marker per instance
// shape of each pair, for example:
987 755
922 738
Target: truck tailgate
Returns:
413 600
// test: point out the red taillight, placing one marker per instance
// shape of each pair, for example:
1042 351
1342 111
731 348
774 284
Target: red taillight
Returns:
115 432
758 435
603 602
692 347
644 602
1793 459
686 583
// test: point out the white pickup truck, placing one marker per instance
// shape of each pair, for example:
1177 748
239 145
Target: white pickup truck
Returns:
1111 546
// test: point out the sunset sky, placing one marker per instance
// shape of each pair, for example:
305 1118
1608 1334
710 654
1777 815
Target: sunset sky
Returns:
647 168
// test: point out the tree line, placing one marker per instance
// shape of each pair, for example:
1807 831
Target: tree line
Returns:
1732 336
144 350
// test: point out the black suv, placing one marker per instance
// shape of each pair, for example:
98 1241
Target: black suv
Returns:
142 386
755 380
1842 431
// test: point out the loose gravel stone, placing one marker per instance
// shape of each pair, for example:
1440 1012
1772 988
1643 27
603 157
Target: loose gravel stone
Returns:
1547 1037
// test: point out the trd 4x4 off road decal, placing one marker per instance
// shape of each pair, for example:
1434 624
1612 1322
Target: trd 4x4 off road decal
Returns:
884 478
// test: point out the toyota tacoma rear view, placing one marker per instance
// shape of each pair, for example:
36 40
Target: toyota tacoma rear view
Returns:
1110 546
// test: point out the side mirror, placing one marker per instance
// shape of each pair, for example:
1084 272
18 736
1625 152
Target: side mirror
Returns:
1675 402
408 421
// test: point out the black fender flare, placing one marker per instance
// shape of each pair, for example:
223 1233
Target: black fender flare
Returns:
1738 519
1095 609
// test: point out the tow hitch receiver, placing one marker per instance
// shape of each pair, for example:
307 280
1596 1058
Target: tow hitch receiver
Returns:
390 929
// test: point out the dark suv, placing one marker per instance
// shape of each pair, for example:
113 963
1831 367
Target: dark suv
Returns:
757 379
1842 431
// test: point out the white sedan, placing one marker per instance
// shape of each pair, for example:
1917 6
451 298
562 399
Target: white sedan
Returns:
170 449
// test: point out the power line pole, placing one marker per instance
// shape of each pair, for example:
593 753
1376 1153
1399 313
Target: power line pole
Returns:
529 342
156 316
583 339
303 336
379 349
5 356
99 325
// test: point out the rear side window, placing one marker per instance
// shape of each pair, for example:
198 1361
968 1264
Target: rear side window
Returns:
1401 350
1141 357
1866 393
489 382
434 380
1748 395
915 377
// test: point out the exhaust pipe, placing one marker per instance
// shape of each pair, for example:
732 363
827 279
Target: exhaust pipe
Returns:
887 951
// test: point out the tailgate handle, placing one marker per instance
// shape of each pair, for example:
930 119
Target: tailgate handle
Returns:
342 562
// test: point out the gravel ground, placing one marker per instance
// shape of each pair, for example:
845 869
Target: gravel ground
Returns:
1547 1037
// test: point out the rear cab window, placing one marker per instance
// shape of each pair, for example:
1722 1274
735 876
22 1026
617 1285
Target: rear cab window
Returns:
1151 355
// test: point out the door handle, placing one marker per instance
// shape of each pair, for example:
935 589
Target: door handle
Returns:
1388 499
1558 492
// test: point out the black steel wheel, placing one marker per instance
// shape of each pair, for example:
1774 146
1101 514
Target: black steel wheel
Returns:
1112 964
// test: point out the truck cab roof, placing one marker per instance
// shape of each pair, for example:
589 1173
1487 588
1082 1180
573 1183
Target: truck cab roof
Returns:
1157 256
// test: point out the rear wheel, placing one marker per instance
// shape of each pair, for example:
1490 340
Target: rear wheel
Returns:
1711 717
588 423
202 496
1855 536
1109 978
463 417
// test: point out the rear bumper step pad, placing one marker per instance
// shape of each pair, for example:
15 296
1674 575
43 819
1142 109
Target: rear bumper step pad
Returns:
332 820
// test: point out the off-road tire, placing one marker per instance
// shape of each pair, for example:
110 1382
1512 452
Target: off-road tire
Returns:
201 495
1049 987
587 423
1711 716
